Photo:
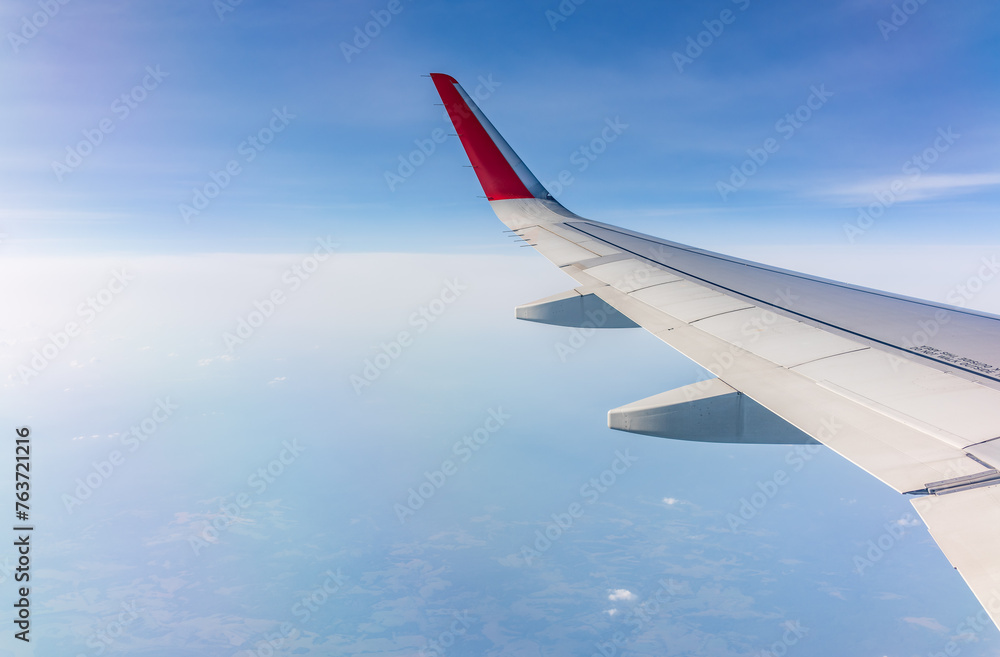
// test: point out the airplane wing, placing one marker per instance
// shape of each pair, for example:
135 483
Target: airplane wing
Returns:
906 389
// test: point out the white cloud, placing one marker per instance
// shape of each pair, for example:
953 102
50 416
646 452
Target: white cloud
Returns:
621 594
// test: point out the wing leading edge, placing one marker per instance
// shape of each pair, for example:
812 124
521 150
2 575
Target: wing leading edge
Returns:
904 388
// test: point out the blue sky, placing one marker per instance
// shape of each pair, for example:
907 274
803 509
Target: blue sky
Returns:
892 91
159 534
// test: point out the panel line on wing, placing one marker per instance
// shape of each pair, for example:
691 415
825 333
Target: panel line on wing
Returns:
914 355
897 415
747 263
820 358
719 314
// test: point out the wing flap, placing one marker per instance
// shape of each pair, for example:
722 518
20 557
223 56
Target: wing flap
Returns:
687 301
958 410
707 411
784 341
987 451
629 275
966 526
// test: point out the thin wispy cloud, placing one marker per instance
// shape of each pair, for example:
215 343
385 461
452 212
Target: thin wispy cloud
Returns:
929 623
904 188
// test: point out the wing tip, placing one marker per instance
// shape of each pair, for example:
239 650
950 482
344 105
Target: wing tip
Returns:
501 172
444 77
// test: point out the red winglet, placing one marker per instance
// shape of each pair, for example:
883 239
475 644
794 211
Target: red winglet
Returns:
495 171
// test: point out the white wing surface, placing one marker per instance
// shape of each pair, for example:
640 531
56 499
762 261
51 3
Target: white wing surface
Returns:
906 389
